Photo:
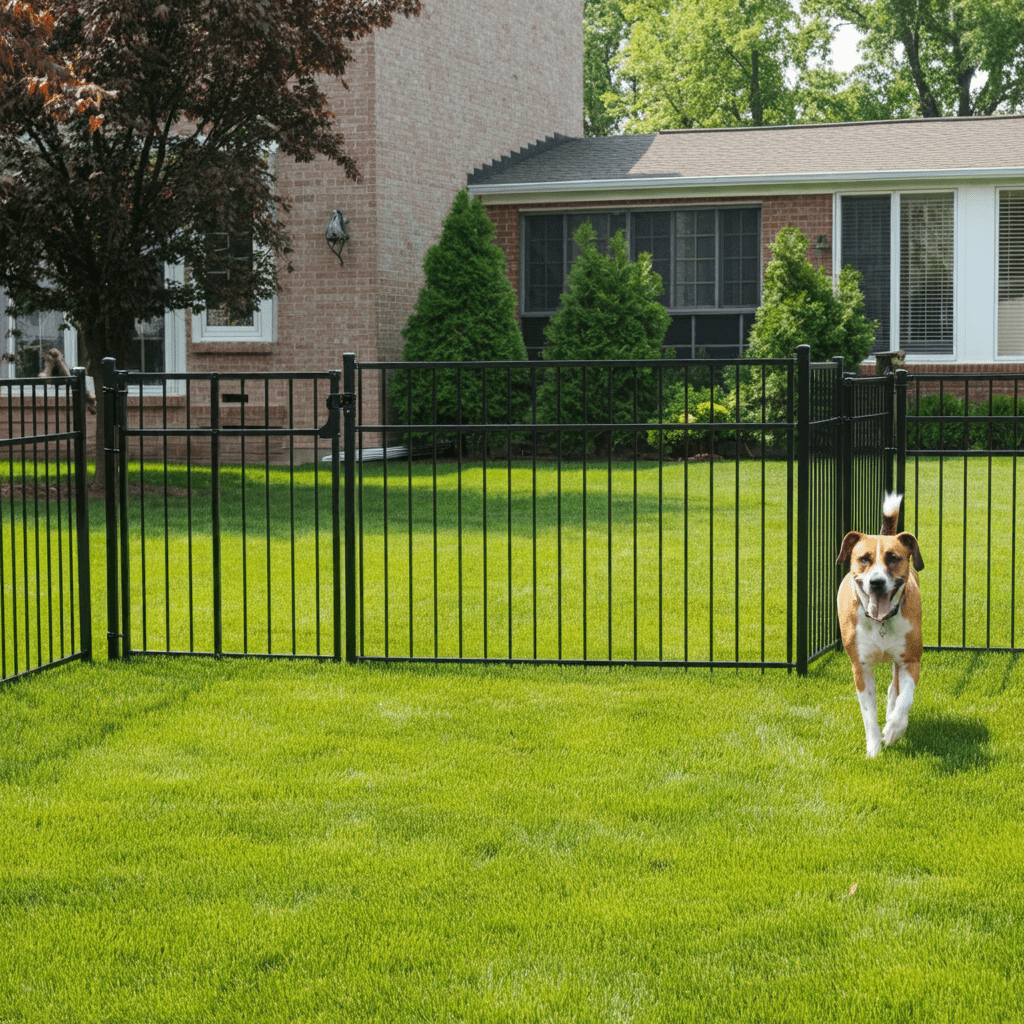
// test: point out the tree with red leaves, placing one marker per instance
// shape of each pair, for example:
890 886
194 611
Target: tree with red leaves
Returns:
131 131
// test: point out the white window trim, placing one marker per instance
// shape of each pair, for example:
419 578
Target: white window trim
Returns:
261 330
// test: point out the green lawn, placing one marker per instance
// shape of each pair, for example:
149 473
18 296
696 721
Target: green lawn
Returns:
198 841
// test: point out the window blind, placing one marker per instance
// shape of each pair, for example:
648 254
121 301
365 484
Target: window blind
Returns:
926 274
1010 322
866 244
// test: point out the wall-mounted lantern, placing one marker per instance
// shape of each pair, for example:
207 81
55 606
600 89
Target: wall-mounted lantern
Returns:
822 243
337 234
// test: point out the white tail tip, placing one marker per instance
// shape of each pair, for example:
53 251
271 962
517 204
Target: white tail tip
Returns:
891 504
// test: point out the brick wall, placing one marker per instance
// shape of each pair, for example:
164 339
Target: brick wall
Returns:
812 214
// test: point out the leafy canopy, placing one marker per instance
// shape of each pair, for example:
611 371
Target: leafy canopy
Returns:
943 58
712 63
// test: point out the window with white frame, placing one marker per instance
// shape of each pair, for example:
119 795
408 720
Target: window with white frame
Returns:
229 253
902 243
158 345
1010 296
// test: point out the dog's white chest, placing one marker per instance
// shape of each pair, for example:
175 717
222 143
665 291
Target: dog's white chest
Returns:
881 641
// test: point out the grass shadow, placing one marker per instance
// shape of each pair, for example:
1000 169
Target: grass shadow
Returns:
956 743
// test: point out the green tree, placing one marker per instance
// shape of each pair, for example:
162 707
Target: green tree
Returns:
466 311
605 29
954 57
710 63
609 310
197 99
800 306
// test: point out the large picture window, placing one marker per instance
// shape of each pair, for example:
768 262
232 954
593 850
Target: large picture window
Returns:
158 345
913 264
708 258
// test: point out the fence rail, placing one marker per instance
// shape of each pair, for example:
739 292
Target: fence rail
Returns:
45 607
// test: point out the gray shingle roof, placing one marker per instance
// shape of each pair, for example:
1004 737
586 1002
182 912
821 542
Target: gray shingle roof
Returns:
867 148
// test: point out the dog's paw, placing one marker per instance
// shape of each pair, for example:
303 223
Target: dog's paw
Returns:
874 748
894 729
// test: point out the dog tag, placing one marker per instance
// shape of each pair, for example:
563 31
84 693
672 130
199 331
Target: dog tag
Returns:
881 629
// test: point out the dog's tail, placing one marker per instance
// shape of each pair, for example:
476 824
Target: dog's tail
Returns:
890 514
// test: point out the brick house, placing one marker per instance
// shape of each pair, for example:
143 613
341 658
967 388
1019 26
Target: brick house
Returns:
930 211
427 100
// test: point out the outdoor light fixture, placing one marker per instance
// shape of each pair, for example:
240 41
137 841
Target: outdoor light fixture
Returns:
822 244
337 234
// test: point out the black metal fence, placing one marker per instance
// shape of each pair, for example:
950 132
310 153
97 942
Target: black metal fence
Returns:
965 434
660 513
664 513
45 607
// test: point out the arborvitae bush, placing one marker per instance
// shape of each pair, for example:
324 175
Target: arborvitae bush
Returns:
466 311
610 310
801 307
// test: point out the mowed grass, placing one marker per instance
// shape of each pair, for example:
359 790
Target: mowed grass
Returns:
189 840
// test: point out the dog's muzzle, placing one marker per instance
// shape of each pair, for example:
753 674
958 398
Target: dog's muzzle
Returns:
880 597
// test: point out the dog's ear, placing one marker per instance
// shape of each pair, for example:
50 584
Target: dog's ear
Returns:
909 541
849 541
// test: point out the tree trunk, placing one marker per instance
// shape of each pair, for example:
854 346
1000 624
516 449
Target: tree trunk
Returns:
107 333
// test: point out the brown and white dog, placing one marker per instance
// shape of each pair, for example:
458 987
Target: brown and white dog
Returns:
880 620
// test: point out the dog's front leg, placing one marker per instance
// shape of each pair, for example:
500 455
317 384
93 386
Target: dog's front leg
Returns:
904 680
864 678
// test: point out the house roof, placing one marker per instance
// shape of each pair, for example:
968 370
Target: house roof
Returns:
968 147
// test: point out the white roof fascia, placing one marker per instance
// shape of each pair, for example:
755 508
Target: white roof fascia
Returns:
747 182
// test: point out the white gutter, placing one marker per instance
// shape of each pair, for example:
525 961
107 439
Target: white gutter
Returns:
743 180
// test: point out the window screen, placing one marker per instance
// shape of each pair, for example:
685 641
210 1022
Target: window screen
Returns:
1010 325
652 232
926 274
866 244
696 258
545 261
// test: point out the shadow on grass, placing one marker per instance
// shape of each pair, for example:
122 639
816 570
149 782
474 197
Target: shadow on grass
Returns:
956 743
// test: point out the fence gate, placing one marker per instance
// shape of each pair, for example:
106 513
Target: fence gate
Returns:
851 453
224 514
45 604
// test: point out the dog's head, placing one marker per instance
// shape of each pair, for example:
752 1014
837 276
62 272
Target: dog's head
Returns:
880 567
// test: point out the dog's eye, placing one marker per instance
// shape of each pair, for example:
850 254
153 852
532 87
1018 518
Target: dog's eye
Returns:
892 558
864 560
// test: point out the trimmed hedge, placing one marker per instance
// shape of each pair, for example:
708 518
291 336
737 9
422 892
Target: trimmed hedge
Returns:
995 424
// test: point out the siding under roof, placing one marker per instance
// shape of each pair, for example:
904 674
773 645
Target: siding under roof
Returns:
868 149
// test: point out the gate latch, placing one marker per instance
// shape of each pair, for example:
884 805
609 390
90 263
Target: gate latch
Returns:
345 402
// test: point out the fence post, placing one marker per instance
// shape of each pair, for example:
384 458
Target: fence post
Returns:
334 402
837 413
111 448
348 407
847 455
803 503
82 514
901 439
218 610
